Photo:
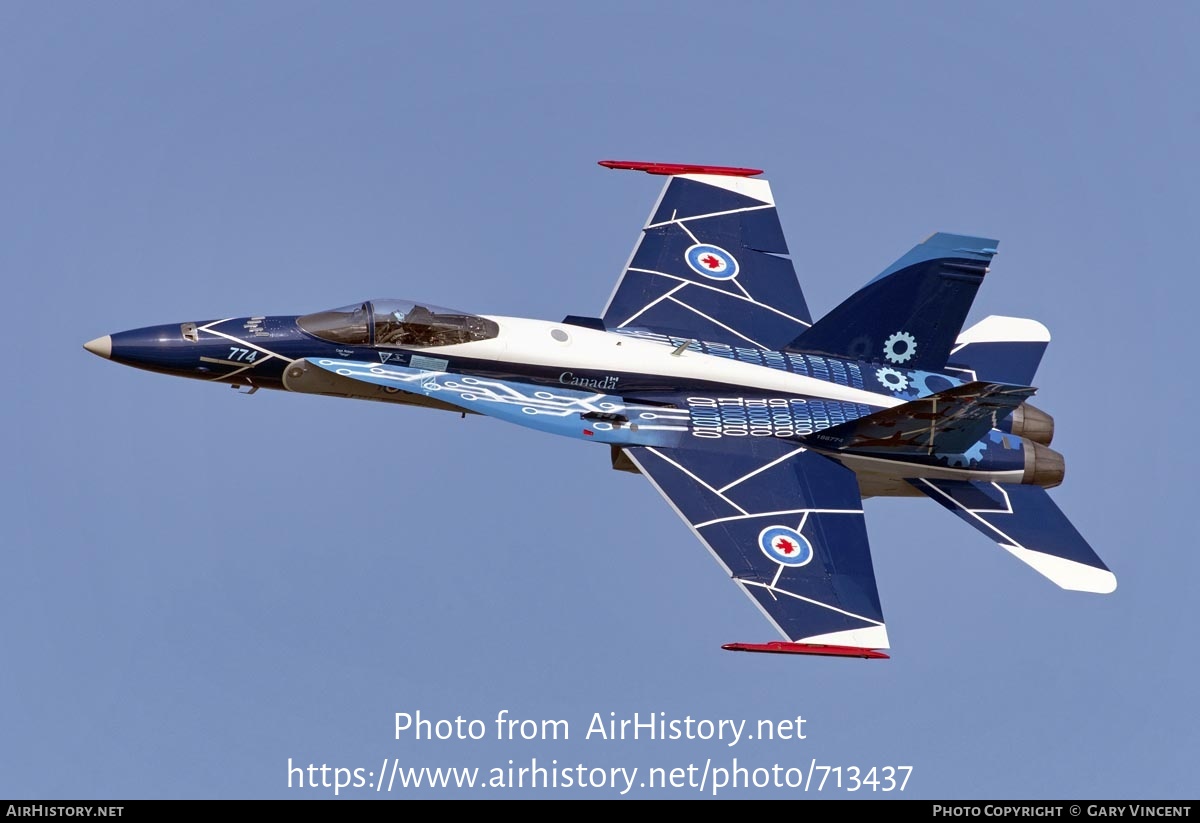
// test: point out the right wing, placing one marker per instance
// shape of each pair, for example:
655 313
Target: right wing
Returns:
706 265
787 525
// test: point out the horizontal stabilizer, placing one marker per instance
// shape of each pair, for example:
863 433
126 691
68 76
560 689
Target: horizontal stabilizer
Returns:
912 312
950 421
1005 349
1025 521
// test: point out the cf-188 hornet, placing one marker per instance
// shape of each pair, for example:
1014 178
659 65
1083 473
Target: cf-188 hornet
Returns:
706 374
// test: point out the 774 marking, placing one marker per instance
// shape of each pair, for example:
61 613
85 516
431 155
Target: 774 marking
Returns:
242 355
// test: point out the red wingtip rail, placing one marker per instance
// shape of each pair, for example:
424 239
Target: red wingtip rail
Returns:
678 168
779 647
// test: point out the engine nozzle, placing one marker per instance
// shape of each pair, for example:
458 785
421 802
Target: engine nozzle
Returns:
1043 466
1032 423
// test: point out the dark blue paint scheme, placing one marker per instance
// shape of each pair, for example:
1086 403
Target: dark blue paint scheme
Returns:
884 397
806 479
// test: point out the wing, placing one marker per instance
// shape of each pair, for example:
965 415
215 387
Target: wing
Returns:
705 266
787 525
1025 521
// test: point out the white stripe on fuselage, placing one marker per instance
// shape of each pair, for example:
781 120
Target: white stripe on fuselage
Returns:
526 341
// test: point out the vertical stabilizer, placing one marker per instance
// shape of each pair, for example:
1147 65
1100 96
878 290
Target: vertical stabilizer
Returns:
912 312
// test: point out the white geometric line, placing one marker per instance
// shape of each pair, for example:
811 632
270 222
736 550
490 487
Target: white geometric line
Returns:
971 372
763 468
705 544
637 245
776 514
646 307
686 229
662 456
1007 501
240 341
972 512
682 220
762 609
742 289
814 602
234 363
803 520
774 580
766 306
1008 509
757 190
719 323
235 371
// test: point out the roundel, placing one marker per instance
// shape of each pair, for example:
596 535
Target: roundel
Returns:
785 546
711 261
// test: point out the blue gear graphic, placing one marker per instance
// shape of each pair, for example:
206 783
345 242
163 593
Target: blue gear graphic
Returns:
918 382
897 381
910 348
964 460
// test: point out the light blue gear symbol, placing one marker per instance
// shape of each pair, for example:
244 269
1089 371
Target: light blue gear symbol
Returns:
891 379
964 460
918 381
910 347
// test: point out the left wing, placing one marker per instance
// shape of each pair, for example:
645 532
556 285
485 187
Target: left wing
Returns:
787 525
705 266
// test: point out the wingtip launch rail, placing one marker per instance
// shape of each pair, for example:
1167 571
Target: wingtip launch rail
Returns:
678 168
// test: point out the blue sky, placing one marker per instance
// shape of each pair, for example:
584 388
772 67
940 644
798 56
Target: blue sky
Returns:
200 586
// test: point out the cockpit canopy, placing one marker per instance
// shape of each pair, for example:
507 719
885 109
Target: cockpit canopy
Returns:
400 323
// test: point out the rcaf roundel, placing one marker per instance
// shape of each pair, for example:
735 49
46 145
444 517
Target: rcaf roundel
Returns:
711 261
786 546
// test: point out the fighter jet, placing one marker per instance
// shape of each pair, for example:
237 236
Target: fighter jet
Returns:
706 374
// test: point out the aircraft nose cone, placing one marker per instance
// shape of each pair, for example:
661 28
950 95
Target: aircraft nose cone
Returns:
101 346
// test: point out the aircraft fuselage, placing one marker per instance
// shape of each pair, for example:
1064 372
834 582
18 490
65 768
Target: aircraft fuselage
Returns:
629 383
